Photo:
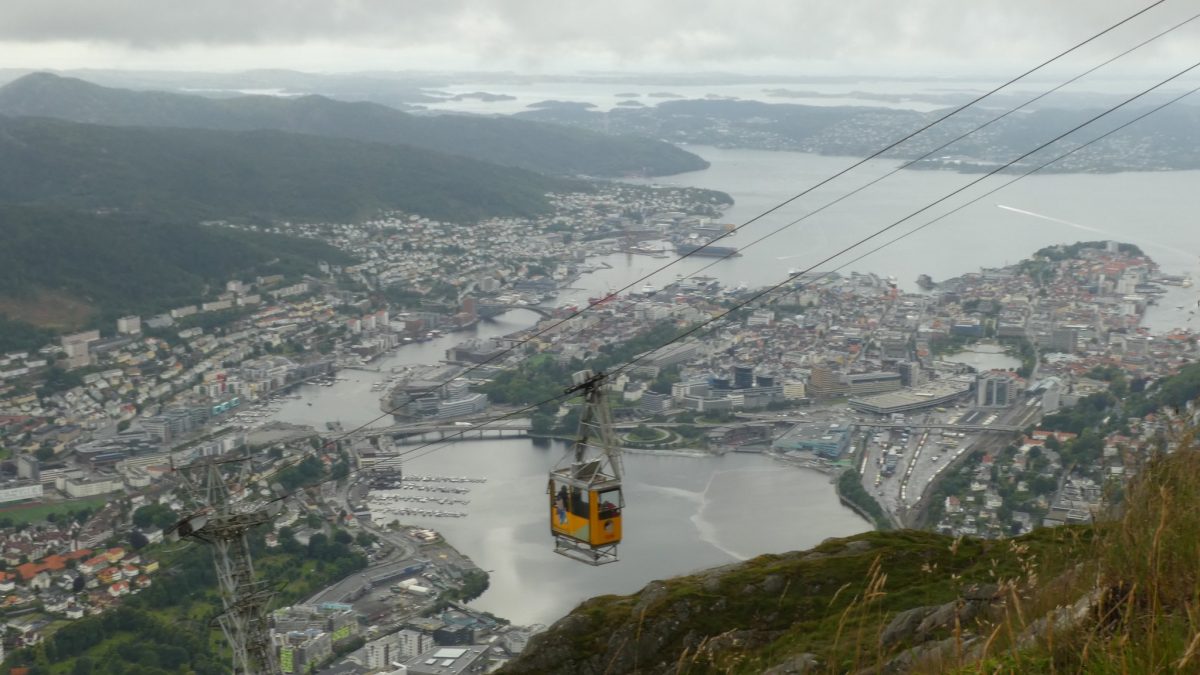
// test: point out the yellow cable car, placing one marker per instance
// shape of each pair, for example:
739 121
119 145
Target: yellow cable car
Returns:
585 488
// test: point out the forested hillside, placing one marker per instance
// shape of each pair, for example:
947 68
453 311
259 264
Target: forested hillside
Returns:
115 265
195 174
537 146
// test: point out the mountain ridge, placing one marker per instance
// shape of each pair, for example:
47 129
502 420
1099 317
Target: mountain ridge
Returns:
536 146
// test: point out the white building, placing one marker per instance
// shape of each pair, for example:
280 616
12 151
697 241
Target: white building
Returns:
79 487
397 647
14 493
129 325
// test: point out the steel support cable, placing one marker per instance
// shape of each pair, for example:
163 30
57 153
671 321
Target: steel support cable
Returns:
434 446
947 144
806 191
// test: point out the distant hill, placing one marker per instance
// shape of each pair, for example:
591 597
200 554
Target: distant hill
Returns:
1165 140
536 146
190 174
60 269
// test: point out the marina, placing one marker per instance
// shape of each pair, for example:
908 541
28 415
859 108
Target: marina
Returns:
434 488
427 513
444 501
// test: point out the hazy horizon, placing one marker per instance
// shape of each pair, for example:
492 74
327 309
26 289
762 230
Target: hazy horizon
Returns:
927 38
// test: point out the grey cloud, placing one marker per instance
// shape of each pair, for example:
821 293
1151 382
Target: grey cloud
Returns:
700 31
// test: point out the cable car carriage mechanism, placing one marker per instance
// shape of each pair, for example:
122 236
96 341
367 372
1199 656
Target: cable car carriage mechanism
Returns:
585 486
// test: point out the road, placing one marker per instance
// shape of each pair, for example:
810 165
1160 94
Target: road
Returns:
921 455
403 552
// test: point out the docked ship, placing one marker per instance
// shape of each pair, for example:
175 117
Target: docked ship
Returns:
690 248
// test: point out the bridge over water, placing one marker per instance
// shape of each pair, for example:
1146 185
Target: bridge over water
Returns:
439 430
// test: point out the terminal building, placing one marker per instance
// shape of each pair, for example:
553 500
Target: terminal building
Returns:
934 394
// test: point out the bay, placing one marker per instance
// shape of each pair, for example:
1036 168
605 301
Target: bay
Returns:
1157 210
682 514
687 513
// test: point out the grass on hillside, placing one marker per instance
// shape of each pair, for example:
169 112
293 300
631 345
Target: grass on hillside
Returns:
1119 596
1143 574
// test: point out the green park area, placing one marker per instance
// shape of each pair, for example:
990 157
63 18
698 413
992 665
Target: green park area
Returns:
36 512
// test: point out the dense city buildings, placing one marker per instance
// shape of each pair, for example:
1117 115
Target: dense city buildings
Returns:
838 372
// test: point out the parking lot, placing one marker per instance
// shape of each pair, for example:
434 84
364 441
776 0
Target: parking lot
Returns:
901 461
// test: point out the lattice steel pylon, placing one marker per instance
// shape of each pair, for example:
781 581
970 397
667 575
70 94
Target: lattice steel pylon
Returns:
586 499
595 431
223 523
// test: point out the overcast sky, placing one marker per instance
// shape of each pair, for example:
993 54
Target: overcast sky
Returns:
763 36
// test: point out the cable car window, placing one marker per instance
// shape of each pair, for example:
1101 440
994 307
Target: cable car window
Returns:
579 503
610 504
562 500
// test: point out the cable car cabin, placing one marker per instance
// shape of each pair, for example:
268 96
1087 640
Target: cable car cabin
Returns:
585 513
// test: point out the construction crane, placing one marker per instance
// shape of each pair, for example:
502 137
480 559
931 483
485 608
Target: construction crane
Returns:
585 487
223 522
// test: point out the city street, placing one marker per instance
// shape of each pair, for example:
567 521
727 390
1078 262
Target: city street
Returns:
900 463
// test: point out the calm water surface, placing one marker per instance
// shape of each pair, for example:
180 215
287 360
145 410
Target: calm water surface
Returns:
687 513
1158 211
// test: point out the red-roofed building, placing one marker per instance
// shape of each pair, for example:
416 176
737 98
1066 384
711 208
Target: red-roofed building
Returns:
79 554
28 571
1043 434
94 565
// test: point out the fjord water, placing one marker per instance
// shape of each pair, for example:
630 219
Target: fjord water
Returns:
682 514
686 513
1157 210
